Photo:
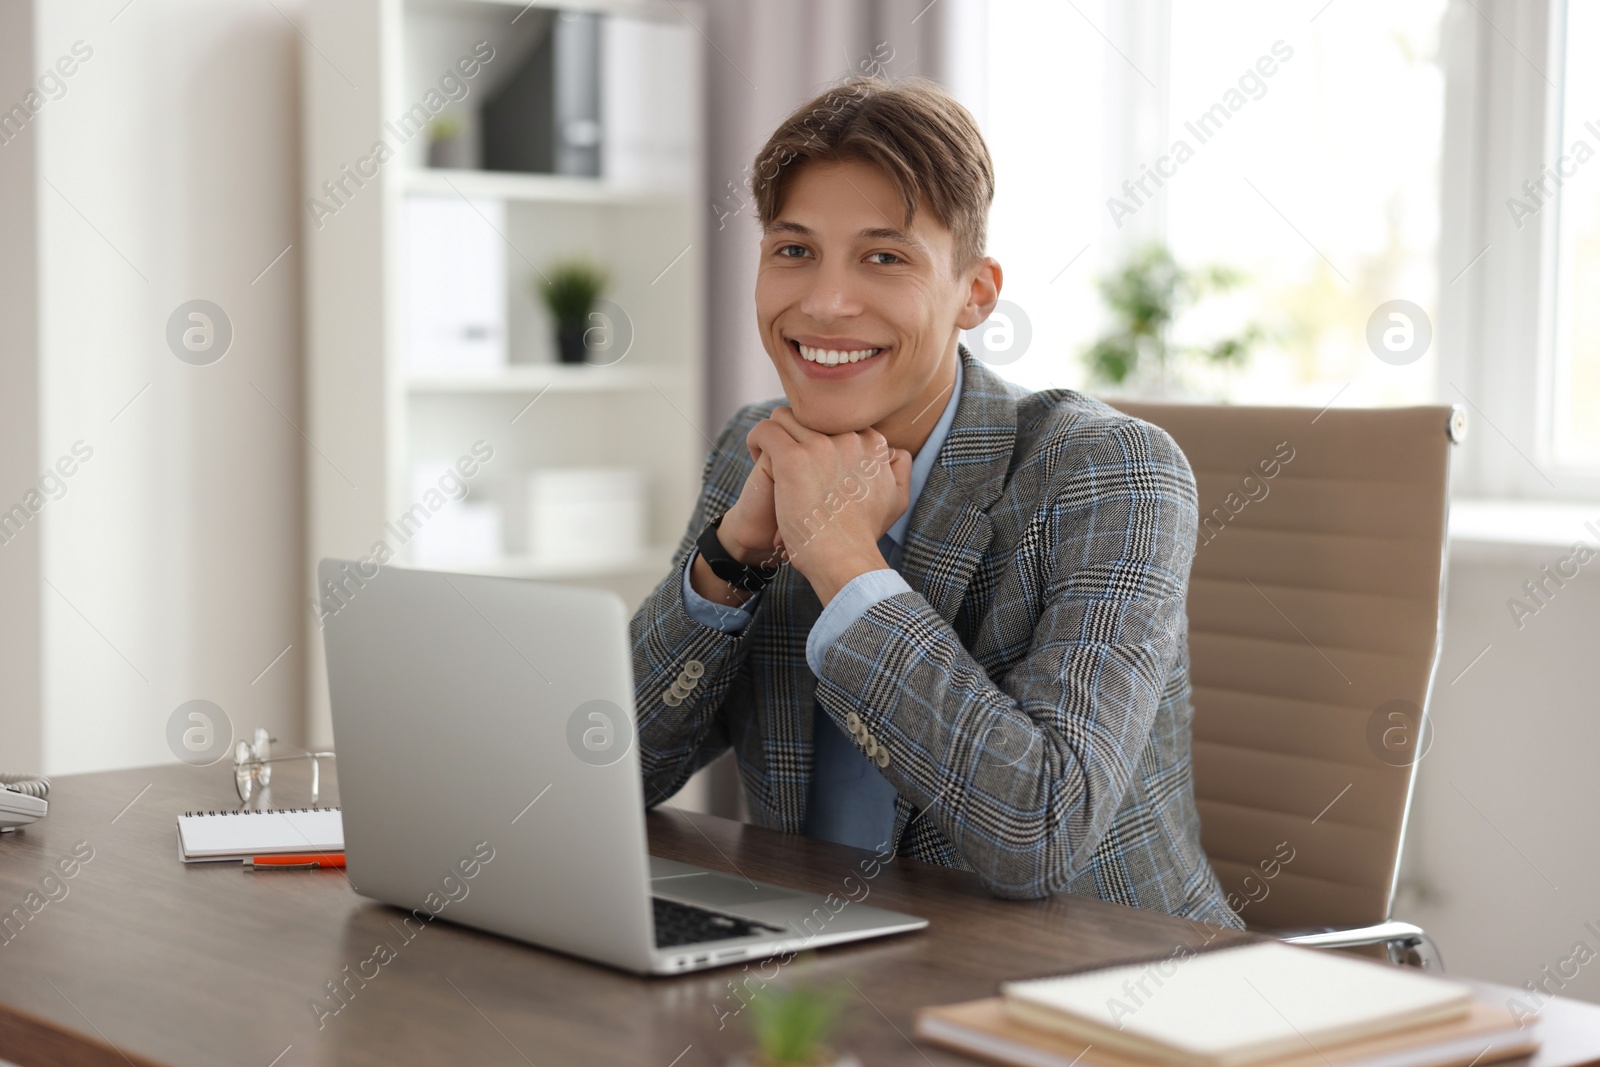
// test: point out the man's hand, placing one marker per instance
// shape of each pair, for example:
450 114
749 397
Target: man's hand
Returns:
749 531
833 497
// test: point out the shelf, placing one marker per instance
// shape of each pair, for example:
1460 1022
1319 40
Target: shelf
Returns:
532 378
652 559
1519 532
641 8
531 188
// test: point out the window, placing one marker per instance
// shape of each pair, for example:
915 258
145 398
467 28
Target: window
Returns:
1310 162
1319 179
1575 415
1044 128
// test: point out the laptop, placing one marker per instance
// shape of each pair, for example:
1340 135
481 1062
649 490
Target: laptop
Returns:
489 774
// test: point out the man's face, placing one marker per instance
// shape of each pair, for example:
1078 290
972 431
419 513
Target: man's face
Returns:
840 272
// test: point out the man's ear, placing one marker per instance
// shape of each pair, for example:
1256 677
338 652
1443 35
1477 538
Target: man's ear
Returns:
983 293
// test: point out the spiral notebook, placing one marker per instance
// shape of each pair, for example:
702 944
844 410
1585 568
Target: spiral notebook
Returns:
205 836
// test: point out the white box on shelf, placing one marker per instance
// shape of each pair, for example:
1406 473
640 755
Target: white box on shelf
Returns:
446 529
578 514
455 284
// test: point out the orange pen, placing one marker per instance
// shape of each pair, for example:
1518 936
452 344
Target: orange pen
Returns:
295 863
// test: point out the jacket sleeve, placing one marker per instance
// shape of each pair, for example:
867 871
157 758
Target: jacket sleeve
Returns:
1024 778
682 668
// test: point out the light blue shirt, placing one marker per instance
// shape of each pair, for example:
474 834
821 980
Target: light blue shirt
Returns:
850 801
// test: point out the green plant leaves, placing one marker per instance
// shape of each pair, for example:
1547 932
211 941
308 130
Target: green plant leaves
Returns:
1145 298
570 289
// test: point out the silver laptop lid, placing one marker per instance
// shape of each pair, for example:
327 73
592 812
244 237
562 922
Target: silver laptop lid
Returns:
486 759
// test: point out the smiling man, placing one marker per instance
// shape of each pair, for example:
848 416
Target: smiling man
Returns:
928 609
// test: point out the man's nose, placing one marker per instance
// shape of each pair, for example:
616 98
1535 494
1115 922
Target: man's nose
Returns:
833 293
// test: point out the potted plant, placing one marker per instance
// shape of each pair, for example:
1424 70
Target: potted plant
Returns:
791 1028
569 292
447 144
1145 298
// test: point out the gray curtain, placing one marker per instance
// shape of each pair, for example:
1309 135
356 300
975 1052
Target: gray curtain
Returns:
767 57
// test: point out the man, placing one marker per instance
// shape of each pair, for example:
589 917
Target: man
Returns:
925 607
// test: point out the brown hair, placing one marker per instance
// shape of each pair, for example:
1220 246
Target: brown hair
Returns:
927 144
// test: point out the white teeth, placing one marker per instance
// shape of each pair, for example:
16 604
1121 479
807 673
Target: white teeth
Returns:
832 358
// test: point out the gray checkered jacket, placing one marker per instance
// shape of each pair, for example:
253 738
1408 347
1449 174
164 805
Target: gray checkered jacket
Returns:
1032 694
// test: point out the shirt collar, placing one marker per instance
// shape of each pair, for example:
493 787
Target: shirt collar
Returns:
922 463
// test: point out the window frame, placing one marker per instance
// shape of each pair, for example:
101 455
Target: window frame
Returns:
1502 126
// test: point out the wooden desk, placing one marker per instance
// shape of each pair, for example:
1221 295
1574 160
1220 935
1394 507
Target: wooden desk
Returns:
147 961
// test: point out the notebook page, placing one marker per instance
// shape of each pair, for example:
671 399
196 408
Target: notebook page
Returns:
260 833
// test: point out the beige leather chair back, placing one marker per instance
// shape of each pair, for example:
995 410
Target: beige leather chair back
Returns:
1314 629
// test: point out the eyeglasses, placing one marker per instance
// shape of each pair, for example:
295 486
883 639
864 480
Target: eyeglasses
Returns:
253 760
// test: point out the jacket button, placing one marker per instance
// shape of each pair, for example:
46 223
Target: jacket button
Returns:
686 681
694 668
872 747
852 722
883 757
671 699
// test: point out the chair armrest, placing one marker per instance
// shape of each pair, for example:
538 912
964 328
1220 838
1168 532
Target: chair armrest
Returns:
1379 934
1402 939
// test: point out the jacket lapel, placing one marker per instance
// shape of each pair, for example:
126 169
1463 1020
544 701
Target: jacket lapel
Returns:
950 528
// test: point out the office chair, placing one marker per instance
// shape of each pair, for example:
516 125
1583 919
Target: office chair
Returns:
1315 608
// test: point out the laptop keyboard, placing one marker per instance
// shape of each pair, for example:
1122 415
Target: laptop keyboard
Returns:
684 924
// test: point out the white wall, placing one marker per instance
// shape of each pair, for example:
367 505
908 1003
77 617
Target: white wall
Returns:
167 172
1503 867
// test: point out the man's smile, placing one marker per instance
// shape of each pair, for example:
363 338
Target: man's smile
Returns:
833 358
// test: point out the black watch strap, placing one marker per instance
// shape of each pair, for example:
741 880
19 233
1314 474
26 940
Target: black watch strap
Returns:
724 566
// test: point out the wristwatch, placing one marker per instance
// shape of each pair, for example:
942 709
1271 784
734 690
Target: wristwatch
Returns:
724 566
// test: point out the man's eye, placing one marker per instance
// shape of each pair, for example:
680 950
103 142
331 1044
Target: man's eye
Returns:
783 249
891 255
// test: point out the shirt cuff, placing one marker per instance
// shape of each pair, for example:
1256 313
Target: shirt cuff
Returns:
848 605
708 612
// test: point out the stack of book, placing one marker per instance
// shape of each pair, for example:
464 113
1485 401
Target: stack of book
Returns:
1263 1004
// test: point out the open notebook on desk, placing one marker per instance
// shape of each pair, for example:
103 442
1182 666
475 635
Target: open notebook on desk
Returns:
205 836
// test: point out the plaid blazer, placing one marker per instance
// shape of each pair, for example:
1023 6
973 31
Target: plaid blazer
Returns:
1033 690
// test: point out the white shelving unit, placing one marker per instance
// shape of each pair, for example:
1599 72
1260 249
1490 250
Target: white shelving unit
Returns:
534 379
371 419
